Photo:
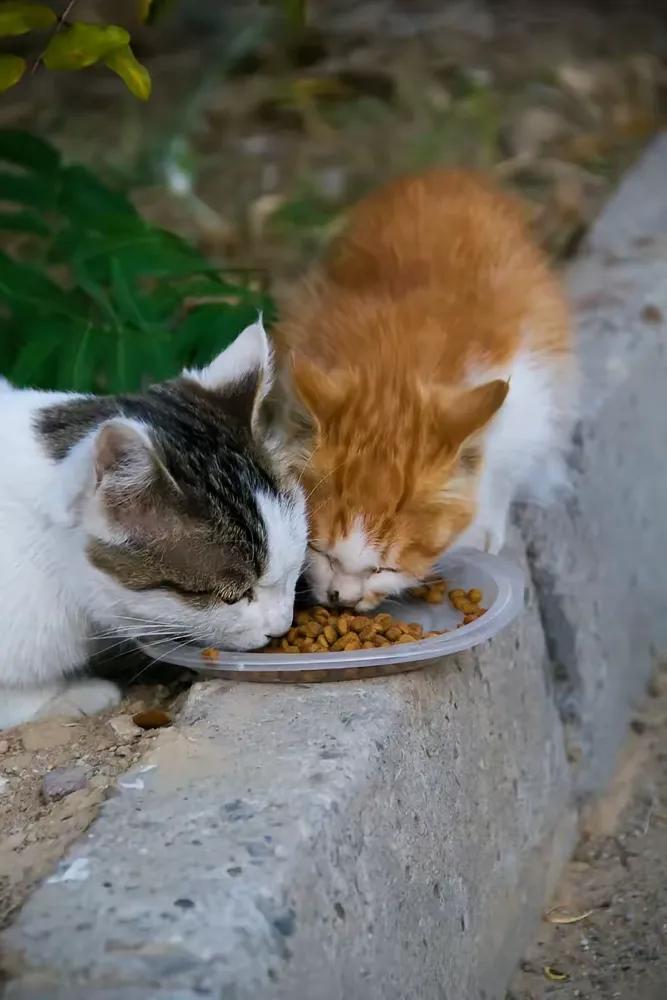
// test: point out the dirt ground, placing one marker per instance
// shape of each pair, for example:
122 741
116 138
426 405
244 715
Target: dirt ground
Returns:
615 888
55 773
253 145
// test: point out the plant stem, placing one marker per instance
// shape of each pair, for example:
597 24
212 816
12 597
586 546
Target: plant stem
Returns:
62 19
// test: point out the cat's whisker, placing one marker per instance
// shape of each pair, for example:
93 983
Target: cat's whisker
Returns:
152 662
120 652
134 630
324 478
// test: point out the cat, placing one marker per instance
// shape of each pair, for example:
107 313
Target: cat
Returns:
161 512
428 376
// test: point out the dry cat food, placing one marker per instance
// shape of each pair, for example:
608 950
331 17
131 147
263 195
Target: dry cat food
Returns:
320 630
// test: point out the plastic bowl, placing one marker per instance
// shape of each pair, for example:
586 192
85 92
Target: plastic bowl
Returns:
501 583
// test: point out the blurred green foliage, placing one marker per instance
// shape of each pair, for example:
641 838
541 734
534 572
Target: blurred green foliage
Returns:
94 298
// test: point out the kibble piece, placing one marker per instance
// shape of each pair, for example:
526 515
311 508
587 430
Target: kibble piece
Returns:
359 623
353 642
383 621
210 654
393 634
293 634
405 637
416 630
321 641
475 595
330 633
343 625
368 645
302 617
313 629
381 640
456 594
367 633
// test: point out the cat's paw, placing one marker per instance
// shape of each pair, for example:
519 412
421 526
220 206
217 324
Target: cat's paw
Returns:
85 697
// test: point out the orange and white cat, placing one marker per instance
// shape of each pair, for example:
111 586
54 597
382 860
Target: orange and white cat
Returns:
428 362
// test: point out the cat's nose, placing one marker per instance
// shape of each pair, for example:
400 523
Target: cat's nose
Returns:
334 597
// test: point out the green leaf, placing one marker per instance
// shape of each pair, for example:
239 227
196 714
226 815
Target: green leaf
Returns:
30 366
295 12
81 356
26 150
134 75
12 69
28 189
208 329
19 18
83 44
153 358
23 222
25 286
151 10
125 297
81 377
96 291
91 205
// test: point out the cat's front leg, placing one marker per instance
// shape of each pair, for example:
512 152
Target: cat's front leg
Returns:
489 528
84 697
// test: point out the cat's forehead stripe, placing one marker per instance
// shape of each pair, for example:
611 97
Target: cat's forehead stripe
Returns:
355 551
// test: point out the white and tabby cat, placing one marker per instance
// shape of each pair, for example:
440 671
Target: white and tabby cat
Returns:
133 514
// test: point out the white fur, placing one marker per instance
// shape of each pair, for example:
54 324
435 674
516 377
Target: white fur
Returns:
352 573
523 446
54 601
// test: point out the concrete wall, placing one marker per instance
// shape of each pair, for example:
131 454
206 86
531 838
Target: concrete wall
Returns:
396 839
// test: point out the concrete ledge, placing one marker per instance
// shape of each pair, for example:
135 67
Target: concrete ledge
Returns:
396 839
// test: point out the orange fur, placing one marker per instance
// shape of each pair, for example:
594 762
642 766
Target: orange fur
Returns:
433 283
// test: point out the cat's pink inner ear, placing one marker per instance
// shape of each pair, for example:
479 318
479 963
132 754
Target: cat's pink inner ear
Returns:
122 451
470 411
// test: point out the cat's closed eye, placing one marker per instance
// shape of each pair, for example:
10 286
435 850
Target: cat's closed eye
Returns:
212 592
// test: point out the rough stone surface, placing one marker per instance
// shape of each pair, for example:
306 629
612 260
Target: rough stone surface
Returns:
62 781
396 838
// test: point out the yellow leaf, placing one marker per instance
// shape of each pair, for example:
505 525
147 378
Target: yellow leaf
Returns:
555 975
12 69
561 916
83 44
135 76
18 18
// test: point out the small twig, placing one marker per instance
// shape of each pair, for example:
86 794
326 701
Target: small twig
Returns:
62 19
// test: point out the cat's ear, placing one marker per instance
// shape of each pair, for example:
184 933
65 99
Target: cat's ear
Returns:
470 411
123 453
117 464
319 392
131 480
242 374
